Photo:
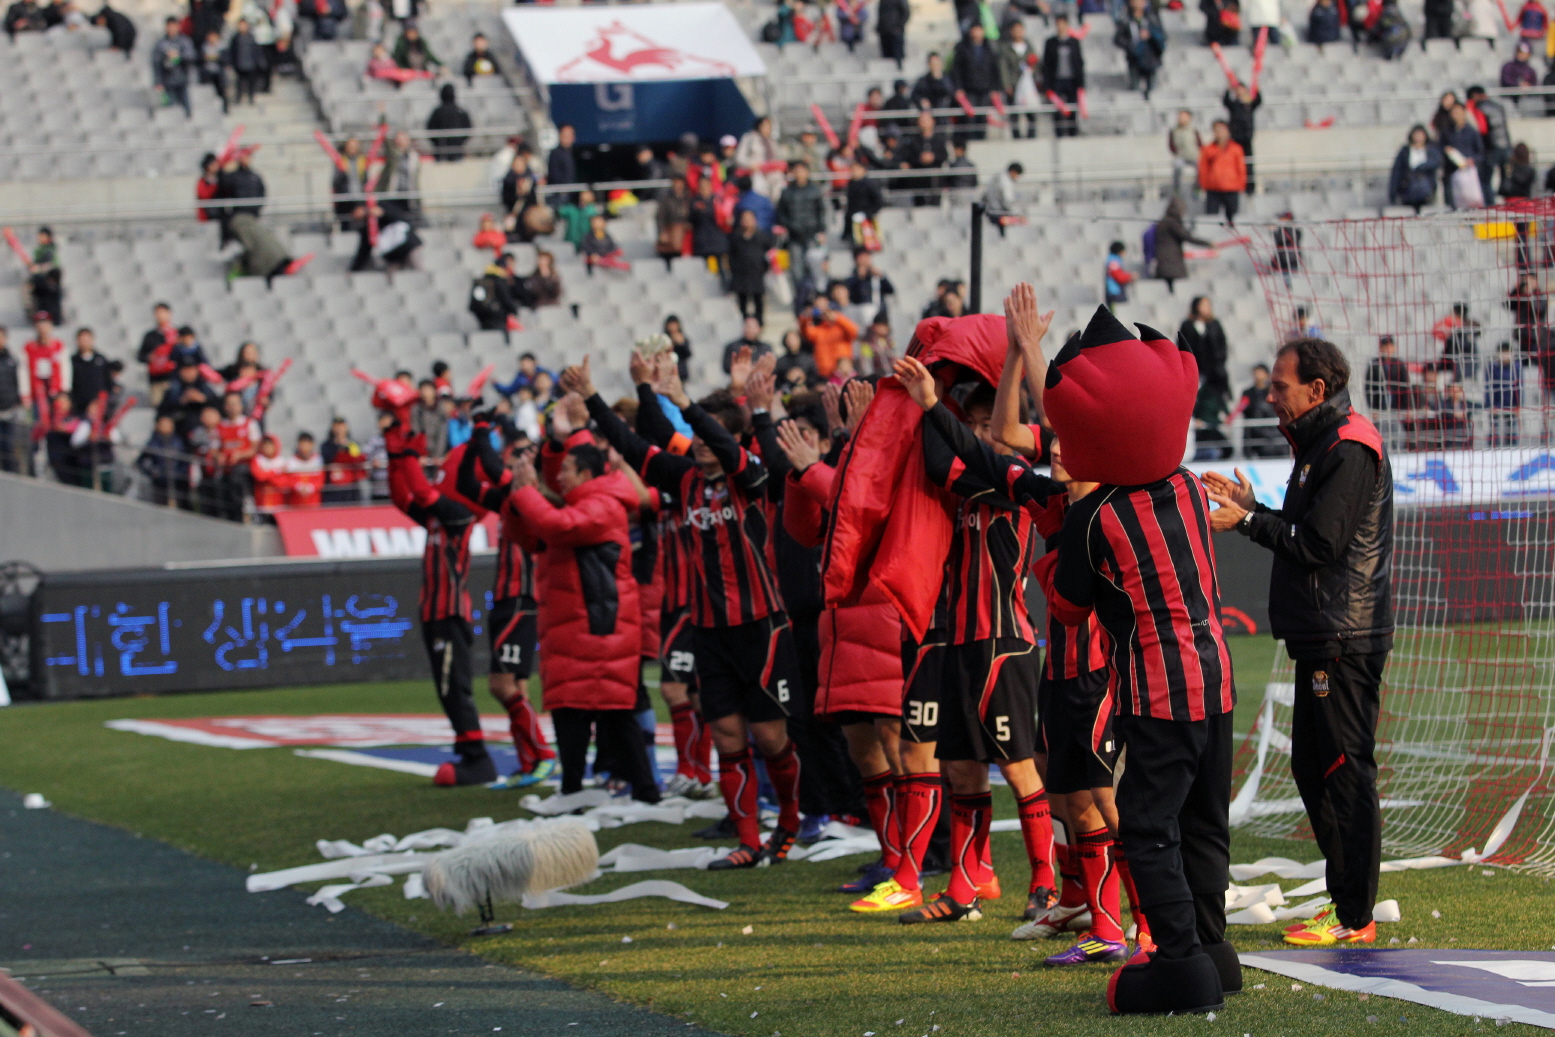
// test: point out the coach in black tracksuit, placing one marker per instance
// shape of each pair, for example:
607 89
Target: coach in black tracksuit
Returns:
1330 600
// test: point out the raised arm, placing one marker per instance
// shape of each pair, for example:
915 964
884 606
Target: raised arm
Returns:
659 469
1026 328
739 467
469 484
1008 429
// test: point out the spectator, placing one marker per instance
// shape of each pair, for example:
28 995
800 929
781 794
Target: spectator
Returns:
1002 201
752 201
1464 148
445 384
187 349
807 150
88 373
427 418
446 117
1210 408
267 32
267 476
650 167
1323 22
891 24
560 166
239 181
1115 278
1530 318
1017 77
400 177
1459 335
801 213
925 148
934 90
489 235
1222 22
165 464
121 30
869 291
348 184
156 351
1202 335
1484 21
411 51
758 154
680 344
1392 32
478 61
494 297
1143 41
829 333
748 247
673 222
1222 173
1184 142
24 16
213 67
245 374
599 249
750 338
1260 440
863 201
45 279
795 366
377 452
1305 326
544 286
1519 177
851 17
45 366
171 59
380 65
877 350
974 68
248 61
1438 21
708 241
1519 73
15 422
1489 117
1504 396
1241 119
1171 234
305 471
528 370
1441 119
525 216
1532 22
1415 168
1063 73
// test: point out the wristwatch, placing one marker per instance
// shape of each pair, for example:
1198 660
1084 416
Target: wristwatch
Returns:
1245 522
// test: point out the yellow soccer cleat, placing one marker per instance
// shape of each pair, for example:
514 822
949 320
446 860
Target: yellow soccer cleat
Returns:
888 896
1326 931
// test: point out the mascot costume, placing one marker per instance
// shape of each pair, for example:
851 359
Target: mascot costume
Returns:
1121 405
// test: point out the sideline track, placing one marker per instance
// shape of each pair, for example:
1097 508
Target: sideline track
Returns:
129 936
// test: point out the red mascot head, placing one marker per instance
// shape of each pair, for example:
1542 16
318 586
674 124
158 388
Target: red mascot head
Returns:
1121 405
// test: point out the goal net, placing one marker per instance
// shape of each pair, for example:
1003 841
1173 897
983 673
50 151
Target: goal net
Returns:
1460 396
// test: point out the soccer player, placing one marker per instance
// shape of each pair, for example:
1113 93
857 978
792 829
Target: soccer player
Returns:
982 708
1141 558
510 622
745 662
445 601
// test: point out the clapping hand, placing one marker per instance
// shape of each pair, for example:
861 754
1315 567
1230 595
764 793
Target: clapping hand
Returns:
801 454
578 379
918 382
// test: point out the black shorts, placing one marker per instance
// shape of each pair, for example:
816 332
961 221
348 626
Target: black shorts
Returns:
750 669
677 652
1075 718
513 637
849 717
923 668
986 703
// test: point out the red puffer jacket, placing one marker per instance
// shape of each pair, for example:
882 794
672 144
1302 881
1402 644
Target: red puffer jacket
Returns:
588 614
861 643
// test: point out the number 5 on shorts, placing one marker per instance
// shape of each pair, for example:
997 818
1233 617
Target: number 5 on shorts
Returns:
1001 728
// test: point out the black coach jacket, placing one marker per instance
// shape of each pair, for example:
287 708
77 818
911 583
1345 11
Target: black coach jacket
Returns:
1330 593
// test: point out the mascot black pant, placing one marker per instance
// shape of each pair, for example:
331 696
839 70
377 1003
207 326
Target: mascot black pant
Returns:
620 741
1333 741
829 782
1174 800
448 644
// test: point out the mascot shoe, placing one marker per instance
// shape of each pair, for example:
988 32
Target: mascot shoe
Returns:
1152 985
1227 964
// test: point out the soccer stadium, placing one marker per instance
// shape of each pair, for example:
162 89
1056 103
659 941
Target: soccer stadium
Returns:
1067 483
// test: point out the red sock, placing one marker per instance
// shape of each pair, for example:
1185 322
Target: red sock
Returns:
968 813
524 724
984 846
1073 892
917 802
737 778
1099 868
880 799
684 721
783 770
1036 827
702 749
1120 861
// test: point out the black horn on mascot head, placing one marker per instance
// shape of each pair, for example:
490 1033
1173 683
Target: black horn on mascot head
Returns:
1120 404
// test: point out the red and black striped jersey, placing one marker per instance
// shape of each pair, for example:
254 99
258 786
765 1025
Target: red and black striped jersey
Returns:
445 570
1072 651
728 528
985 574
674 556
1143 560
515 573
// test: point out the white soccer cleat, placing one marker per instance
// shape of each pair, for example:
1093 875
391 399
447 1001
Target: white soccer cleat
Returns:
1055 922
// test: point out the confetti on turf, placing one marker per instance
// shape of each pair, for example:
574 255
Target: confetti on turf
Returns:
1318 997
438 1005
672 925
755 1014
1210 1017
1295 986
626 939
1435 913
748 930
1371 1018
1259 986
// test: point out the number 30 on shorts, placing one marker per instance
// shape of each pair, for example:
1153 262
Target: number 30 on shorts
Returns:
923 714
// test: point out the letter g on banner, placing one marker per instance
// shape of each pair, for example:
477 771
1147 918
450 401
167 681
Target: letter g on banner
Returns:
613 97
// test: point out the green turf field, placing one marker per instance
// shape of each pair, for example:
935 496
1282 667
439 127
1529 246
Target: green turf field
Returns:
807 968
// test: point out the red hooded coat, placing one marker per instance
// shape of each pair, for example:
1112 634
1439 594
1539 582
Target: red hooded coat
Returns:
588 603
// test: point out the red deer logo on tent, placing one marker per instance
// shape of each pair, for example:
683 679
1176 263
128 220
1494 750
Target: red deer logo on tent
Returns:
632 55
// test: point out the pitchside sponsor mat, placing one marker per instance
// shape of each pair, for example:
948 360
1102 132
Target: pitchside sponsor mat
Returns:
1515 986
412 743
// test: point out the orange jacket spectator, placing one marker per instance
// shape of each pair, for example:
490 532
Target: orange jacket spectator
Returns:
831 337
1223 167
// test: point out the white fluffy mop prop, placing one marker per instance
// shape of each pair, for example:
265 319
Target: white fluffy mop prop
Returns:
503 868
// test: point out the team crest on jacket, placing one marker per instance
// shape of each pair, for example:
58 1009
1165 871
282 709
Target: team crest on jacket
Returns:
1320 683
1306 470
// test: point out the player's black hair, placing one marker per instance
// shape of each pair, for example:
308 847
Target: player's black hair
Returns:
724 407
1318 358
589 458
